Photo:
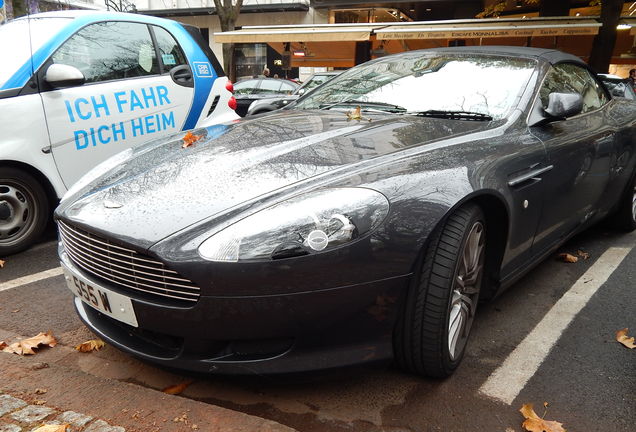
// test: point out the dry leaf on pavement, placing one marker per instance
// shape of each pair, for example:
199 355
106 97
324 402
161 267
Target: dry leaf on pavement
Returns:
621 336
568 258
583 254
26 346
1 263
189 138
534 423
177 389
90 345
52 428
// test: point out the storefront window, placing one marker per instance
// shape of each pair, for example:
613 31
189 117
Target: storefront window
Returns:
250 59
366 15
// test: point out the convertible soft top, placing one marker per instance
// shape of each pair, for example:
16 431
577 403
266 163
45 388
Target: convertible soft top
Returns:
550 55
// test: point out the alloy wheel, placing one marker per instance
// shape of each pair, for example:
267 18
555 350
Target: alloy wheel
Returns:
466 288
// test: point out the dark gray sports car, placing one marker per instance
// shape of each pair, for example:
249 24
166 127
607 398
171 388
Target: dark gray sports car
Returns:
363 222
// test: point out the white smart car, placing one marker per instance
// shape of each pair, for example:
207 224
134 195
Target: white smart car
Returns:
77 87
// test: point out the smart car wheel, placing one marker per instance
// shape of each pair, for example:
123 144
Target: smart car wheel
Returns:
440 306
625 218
24 210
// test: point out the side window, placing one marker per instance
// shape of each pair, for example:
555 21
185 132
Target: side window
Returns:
109 51
287 88
270 86
169 50
246 87
571 78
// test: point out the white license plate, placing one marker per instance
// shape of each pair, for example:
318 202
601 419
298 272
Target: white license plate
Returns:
104 300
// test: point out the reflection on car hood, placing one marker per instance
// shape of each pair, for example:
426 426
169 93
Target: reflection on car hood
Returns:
164 188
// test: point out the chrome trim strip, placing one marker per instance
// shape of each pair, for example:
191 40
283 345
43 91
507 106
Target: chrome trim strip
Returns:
529 176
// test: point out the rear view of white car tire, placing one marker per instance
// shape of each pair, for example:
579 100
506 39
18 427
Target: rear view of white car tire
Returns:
24 210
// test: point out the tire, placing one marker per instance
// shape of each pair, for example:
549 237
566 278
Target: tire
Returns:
625 217
24 210
431 335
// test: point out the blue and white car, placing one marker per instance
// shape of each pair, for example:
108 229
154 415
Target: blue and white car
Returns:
77 87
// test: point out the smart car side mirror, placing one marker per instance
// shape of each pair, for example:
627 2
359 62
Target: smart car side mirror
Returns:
61 75
560 106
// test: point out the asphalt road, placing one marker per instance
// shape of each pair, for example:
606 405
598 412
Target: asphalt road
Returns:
588 379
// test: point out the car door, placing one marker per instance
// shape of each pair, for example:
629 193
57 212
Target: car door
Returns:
580 151
138 86
245 93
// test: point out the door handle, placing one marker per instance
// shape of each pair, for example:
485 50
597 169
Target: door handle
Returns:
531 175
182 75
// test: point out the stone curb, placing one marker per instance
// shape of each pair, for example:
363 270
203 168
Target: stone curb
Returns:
132 408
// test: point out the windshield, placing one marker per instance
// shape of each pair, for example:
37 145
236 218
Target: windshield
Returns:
420 81
16 45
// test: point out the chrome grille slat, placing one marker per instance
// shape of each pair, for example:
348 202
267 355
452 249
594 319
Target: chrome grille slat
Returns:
105 269
109 277
75 234
109 261
123 267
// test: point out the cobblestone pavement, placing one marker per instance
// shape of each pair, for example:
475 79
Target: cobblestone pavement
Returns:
17 415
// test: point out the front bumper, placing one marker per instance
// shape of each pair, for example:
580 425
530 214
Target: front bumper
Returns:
258 334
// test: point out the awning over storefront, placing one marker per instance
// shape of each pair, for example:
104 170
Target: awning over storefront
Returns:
298 33
531 27
452 29
334 45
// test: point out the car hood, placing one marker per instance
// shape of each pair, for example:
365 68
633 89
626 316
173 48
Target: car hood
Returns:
163 188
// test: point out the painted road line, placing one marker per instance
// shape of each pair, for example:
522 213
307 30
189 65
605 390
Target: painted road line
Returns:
510 378
31 278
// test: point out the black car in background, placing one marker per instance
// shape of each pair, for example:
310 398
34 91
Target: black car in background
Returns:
365 222
272 103
251 89
619 87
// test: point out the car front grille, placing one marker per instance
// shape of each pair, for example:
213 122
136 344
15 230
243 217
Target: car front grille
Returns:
125 268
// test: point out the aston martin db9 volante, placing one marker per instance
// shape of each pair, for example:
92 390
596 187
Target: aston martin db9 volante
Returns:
361 223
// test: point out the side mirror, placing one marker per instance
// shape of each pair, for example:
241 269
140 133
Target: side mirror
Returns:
563 105
560 106
61 75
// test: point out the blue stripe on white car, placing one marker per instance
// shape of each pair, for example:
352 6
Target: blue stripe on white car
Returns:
203 72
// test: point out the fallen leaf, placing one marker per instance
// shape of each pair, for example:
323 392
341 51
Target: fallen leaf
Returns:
583 254
1 263
177 389
534 423
52 428
2 345
39 402
189 138
621 336
356 114
40 391
566 257
26 346
90 345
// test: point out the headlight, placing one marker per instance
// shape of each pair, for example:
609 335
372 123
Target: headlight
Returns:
312 223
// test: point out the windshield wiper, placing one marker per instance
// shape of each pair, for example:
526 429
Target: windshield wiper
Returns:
454 115
383 106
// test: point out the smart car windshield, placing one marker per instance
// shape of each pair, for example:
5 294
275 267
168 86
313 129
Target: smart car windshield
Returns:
424 83
17 46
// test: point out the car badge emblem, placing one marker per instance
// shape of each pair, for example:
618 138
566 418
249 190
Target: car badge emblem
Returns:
112 204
